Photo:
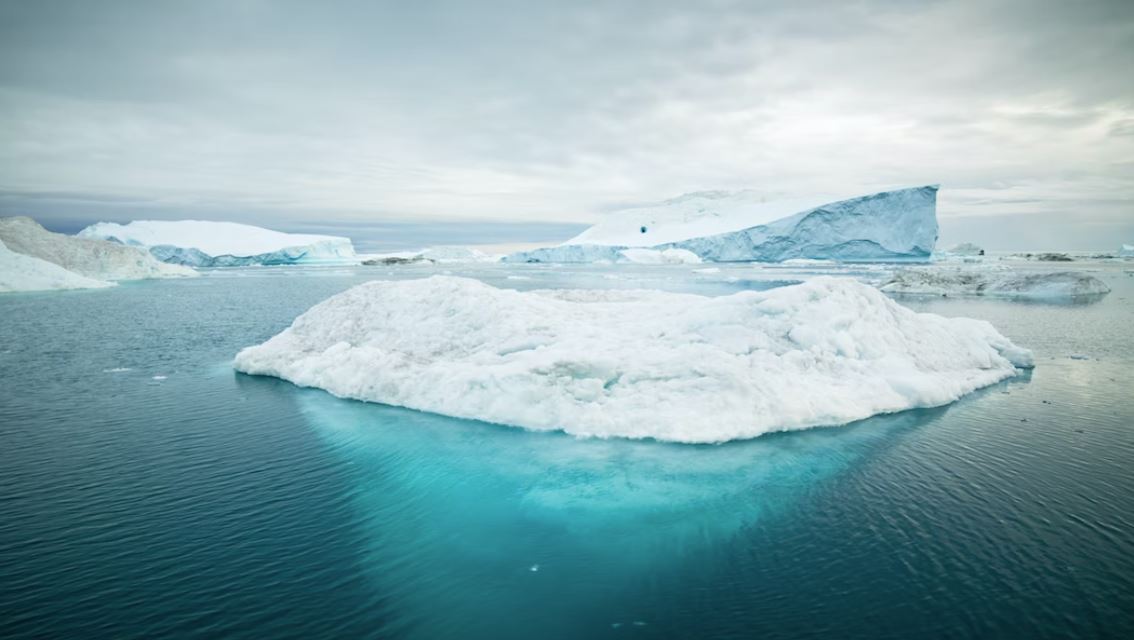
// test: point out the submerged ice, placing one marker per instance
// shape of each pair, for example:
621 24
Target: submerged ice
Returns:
636 364
737 227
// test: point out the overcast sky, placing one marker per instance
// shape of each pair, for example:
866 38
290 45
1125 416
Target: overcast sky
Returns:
505 121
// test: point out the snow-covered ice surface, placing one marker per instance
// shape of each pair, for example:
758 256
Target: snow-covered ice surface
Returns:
19 272
999 282
202 243
730 227
636 363
93 258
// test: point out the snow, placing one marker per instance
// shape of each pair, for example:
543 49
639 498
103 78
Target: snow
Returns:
208 243
96 259
668 256
995 282
636 364
724 227
19 272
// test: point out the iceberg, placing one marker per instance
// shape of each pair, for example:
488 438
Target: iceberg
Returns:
636 363
896 225
966 249
96 259
1126 251
200 243
996 283
431 255
19 272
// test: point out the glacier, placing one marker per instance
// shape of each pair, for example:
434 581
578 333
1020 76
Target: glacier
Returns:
202 243
636 363
899 225
19 272
88 257
1002 283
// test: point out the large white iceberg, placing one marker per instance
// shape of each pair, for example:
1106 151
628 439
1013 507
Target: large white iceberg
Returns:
1002 283
19 272
202 243
92 258
736 227
636 364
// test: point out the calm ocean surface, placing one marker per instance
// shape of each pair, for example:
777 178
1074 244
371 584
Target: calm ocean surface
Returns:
146 490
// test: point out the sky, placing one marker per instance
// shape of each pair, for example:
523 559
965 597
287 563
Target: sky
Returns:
403 123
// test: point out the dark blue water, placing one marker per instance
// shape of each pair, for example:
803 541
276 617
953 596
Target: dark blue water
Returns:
210 504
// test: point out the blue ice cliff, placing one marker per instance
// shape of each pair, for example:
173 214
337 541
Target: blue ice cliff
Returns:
899 225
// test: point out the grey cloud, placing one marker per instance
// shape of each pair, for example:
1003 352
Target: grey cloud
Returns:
557 111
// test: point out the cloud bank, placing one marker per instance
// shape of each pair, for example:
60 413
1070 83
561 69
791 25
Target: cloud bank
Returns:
348 112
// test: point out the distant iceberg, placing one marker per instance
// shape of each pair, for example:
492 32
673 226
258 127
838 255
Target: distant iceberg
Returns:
741 226
996 283
966 249
19 272
88 257
200 243
1126 251
636 364
431 255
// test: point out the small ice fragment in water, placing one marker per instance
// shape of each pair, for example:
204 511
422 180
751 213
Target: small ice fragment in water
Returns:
160 377
116 370
615 625
533 568
1079 356
639 623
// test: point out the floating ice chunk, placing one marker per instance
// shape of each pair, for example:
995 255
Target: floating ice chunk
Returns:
19 272
1126 251
945 281
636 364
117 370
160 378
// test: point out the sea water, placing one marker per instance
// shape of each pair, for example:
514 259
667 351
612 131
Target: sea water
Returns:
147 490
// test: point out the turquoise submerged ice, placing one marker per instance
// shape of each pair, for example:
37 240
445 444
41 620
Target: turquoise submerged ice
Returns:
735 227
636 364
